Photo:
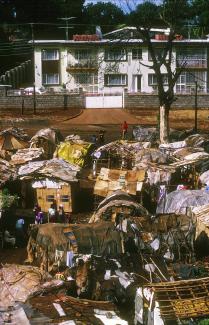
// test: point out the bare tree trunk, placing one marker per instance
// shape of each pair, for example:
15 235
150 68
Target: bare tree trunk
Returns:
164 124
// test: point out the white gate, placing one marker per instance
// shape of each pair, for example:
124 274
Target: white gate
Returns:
104 101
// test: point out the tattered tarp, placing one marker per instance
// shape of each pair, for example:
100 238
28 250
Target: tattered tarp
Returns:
54 168
145 134
196 140
179 201
110 180
101 238
62 309
7 172
22 156
13 139
150 155
52 135
182 299
74 152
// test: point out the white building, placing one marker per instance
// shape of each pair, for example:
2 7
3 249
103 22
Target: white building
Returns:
112 63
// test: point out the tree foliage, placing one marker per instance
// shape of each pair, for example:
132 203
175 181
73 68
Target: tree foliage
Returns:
106 15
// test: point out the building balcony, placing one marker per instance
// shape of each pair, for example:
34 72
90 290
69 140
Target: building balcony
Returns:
195 63
83 66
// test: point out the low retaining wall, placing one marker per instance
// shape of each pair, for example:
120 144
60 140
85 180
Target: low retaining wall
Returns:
43 103
134 101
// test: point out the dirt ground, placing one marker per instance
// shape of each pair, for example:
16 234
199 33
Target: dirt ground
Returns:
90 121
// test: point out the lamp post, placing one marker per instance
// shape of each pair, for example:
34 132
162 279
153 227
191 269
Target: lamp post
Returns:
195 107
66 19
34 70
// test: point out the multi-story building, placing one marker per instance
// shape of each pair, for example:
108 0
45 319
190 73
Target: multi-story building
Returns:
116 61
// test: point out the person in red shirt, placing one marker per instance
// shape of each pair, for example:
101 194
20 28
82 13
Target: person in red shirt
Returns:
124 129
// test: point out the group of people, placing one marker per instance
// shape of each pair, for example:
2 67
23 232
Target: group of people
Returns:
54 214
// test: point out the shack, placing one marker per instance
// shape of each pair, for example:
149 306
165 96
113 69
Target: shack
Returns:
11 140
54 181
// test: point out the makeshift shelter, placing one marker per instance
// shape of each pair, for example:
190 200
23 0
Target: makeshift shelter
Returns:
144 134
118 202
74 150
54 180
47 139
180 201
117 154
110 180
49 243
11 140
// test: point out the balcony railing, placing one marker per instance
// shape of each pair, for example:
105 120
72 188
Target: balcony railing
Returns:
192 63
83 65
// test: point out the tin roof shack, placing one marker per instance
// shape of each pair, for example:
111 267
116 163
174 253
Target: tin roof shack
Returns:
118 154
75 151
53 179
11 140
47 139
7 172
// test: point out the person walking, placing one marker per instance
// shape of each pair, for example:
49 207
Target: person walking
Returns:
124 129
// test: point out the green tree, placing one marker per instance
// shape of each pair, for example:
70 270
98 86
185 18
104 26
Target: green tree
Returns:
200 11
106 15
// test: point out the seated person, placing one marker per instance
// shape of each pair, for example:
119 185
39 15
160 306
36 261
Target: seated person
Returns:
8 238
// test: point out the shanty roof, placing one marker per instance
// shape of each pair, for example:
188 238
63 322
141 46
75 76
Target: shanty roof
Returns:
122 147
22 156
110 180
13 139
52 135
54 168
182 299
65 309
118 199
178 201
7 172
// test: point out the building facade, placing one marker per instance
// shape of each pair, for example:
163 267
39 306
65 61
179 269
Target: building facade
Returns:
110 64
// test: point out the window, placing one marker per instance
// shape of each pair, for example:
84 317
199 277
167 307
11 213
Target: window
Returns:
152 79
64 198
50 198
82 54
136 54
50 78
115 55
186 82
48 55
192 57
85 78
116 80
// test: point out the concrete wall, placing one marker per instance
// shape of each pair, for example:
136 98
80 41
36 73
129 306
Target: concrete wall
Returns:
44 103
134 101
